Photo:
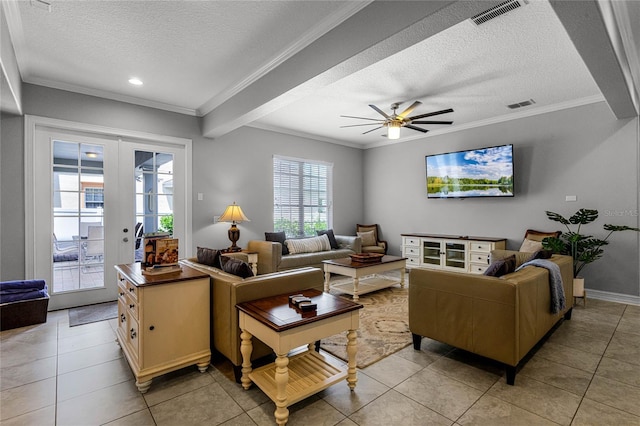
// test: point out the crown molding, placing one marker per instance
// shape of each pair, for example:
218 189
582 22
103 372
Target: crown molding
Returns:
336 18
110 95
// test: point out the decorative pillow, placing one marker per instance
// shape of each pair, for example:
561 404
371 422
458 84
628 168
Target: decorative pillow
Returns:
209 257
368 238
501 267
541 254
236 267
521 256
530 246
332 238
277 237
309 245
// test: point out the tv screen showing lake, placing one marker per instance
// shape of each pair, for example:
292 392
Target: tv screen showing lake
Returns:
485 172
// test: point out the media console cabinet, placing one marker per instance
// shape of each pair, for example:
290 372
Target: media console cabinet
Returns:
450 252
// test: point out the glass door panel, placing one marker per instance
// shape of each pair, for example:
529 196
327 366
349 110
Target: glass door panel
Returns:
78 216
455 255
431 252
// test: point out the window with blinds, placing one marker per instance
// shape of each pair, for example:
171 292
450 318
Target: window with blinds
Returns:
302 196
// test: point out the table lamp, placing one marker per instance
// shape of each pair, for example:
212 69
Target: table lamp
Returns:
233 214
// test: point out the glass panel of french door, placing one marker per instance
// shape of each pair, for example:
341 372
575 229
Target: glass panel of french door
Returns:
78 216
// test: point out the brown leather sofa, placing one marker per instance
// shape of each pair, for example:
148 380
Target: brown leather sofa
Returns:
498 318
228 290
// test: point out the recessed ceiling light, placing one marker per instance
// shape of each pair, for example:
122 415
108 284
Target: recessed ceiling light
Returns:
135 81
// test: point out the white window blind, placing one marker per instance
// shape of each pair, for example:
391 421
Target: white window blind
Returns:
302 196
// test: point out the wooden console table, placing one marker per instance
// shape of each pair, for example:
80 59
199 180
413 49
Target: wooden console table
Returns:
284 327
163 321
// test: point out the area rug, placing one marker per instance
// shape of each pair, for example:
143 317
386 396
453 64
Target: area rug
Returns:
92 313
384 327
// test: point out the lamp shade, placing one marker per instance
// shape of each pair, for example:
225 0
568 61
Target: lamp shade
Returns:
393 130
233 213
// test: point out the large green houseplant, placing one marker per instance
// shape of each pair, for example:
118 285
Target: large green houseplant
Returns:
584 249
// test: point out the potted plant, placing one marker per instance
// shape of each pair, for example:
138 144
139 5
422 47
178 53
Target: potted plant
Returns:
584 249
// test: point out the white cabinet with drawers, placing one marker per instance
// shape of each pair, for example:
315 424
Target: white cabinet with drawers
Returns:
455 253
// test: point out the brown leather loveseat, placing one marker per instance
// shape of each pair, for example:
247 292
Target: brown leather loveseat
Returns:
498 318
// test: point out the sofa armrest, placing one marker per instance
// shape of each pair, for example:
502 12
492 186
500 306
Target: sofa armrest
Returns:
350 242
269 255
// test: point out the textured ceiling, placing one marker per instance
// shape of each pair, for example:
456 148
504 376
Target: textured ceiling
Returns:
243 62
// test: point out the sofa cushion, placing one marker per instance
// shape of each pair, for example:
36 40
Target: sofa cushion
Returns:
541 254
236 267
368 238
209 257
501 267
277 237
530 246
332 238
308 245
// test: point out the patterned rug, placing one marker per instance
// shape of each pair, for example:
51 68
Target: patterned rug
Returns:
384 327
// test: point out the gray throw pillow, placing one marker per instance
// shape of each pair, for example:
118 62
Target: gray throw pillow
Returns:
209 257
501 267
236 267
277 237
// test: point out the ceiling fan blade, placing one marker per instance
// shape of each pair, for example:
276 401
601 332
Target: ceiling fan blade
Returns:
429 114
409 126
431 122
407 111
369 131
384 114
357 125
361 118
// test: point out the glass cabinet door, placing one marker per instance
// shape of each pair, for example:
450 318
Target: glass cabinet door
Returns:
431 252
455 255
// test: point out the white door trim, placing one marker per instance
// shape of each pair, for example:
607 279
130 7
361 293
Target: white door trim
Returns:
32 122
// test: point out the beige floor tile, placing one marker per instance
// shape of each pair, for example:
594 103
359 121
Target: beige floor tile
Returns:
246 399
347 422
176 383
615 394
140 418
569 356
241 420
495 412
532 395
421 357
581 339
620 371
102 406
347 401
604 306
90 379
596 330
592 413
43 417
392 370
18 375
624 347
79 330
205 405
393 408
87 340
598 316
440 393
36 333
83 358
559 375
16 352
470 373
629 324
631 311
24 399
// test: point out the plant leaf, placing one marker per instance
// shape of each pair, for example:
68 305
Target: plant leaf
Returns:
609 227
557 218
554 244
584 216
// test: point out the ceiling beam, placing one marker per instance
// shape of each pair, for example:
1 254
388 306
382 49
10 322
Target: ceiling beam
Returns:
379 30
585 25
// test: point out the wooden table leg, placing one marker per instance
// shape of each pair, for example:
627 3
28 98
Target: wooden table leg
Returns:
327 278
402 274
245 349
352 350
281 378
356 283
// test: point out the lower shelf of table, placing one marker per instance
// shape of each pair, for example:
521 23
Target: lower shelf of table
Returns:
309 373
365 285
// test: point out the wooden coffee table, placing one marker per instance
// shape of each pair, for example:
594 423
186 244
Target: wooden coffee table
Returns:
283 327
357 270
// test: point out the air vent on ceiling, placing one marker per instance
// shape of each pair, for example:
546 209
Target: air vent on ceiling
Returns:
498 10
522 104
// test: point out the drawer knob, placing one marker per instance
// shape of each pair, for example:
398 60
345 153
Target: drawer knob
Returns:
133 333
122 318
152 328
132 306
121 294
131 290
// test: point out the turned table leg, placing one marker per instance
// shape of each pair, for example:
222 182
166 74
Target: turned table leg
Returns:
356 284
245 349
402 276
281 378
352 350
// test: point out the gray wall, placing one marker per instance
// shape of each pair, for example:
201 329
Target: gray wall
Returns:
581 151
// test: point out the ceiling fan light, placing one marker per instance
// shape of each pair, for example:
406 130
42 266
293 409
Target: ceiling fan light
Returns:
393 131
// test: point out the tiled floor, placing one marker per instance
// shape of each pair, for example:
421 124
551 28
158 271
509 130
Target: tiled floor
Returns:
587 373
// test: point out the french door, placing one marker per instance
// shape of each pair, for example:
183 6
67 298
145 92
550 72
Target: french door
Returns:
91 196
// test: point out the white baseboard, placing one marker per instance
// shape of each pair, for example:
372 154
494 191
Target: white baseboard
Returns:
613 297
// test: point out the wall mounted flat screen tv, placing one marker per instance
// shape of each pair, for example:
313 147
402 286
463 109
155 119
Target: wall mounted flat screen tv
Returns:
484 172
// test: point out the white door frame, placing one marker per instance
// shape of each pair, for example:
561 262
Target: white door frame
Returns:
32 240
